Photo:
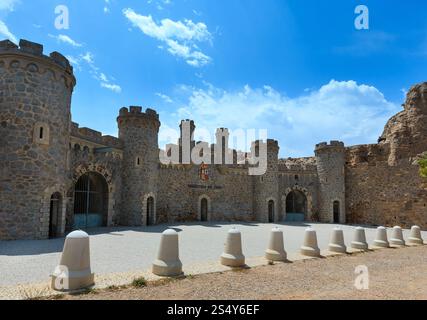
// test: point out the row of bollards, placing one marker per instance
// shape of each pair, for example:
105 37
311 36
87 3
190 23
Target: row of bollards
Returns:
74 271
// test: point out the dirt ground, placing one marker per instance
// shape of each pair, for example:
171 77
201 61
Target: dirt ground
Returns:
393 274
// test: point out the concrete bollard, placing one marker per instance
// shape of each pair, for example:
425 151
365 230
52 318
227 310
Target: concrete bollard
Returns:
168 263
74 272
276 250
359 241
381 240
337 241
415 237
397 237
310 247
233 255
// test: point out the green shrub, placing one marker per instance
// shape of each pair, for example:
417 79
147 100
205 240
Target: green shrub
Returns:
423 166
139 282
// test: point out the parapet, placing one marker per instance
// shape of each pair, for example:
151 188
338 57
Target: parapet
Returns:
34 50
135 115
272 146
333 146
222 132
298 164
94 136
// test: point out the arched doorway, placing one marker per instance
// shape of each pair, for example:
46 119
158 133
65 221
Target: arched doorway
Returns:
204 210
150 211
90 201
296 206
271 211
337 212
55 213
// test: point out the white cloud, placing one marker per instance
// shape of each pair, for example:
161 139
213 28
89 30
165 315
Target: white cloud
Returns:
66 39
8 5
88 57
179 36
113 87
341 110
5 32
164 97
104 80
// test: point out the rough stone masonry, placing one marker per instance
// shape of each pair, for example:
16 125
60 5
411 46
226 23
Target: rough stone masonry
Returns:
56 176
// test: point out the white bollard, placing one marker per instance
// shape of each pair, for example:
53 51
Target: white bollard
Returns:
276 250
337 241
74 272
415 237
310 247
168 263
359 241
233 255
397 237
381 239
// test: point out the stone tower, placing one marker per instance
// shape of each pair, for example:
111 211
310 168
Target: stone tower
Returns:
330 160
266 187
186 141
35 124
139 132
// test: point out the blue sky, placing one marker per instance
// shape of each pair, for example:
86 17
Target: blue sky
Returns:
298 68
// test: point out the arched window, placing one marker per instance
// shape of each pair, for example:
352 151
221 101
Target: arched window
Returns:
41 133
138 161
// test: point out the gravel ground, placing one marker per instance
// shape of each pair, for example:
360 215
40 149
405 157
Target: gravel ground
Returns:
393 274
122 250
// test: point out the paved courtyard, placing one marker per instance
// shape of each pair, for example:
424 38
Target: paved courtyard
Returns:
131 249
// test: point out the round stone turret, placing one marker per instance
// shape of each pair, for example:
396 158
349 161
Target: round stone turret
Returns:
35 124
331 171
266 186
139 131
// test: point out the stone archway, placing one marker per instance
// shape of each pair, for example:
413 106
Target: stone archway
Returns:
91 195
204 208
60 212
308 209
149 209
102 170
272 210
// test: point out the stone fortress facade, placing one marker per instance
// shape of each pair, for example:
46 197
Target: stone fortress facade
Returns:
56 176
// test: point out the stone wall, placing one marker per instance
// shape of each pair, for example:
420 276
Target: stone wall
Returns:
383 184
379 194
228 191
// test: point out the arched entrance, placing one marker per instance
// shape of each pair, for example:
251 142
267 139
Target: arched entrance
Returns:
296 206
150 211
55 213
271 212
204 210
337 212
90 201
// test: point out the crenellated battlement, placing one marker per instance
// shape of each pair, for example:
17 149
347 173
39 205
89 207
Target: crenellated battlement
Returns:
333 146
272 145
135 116
29 56
94 136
